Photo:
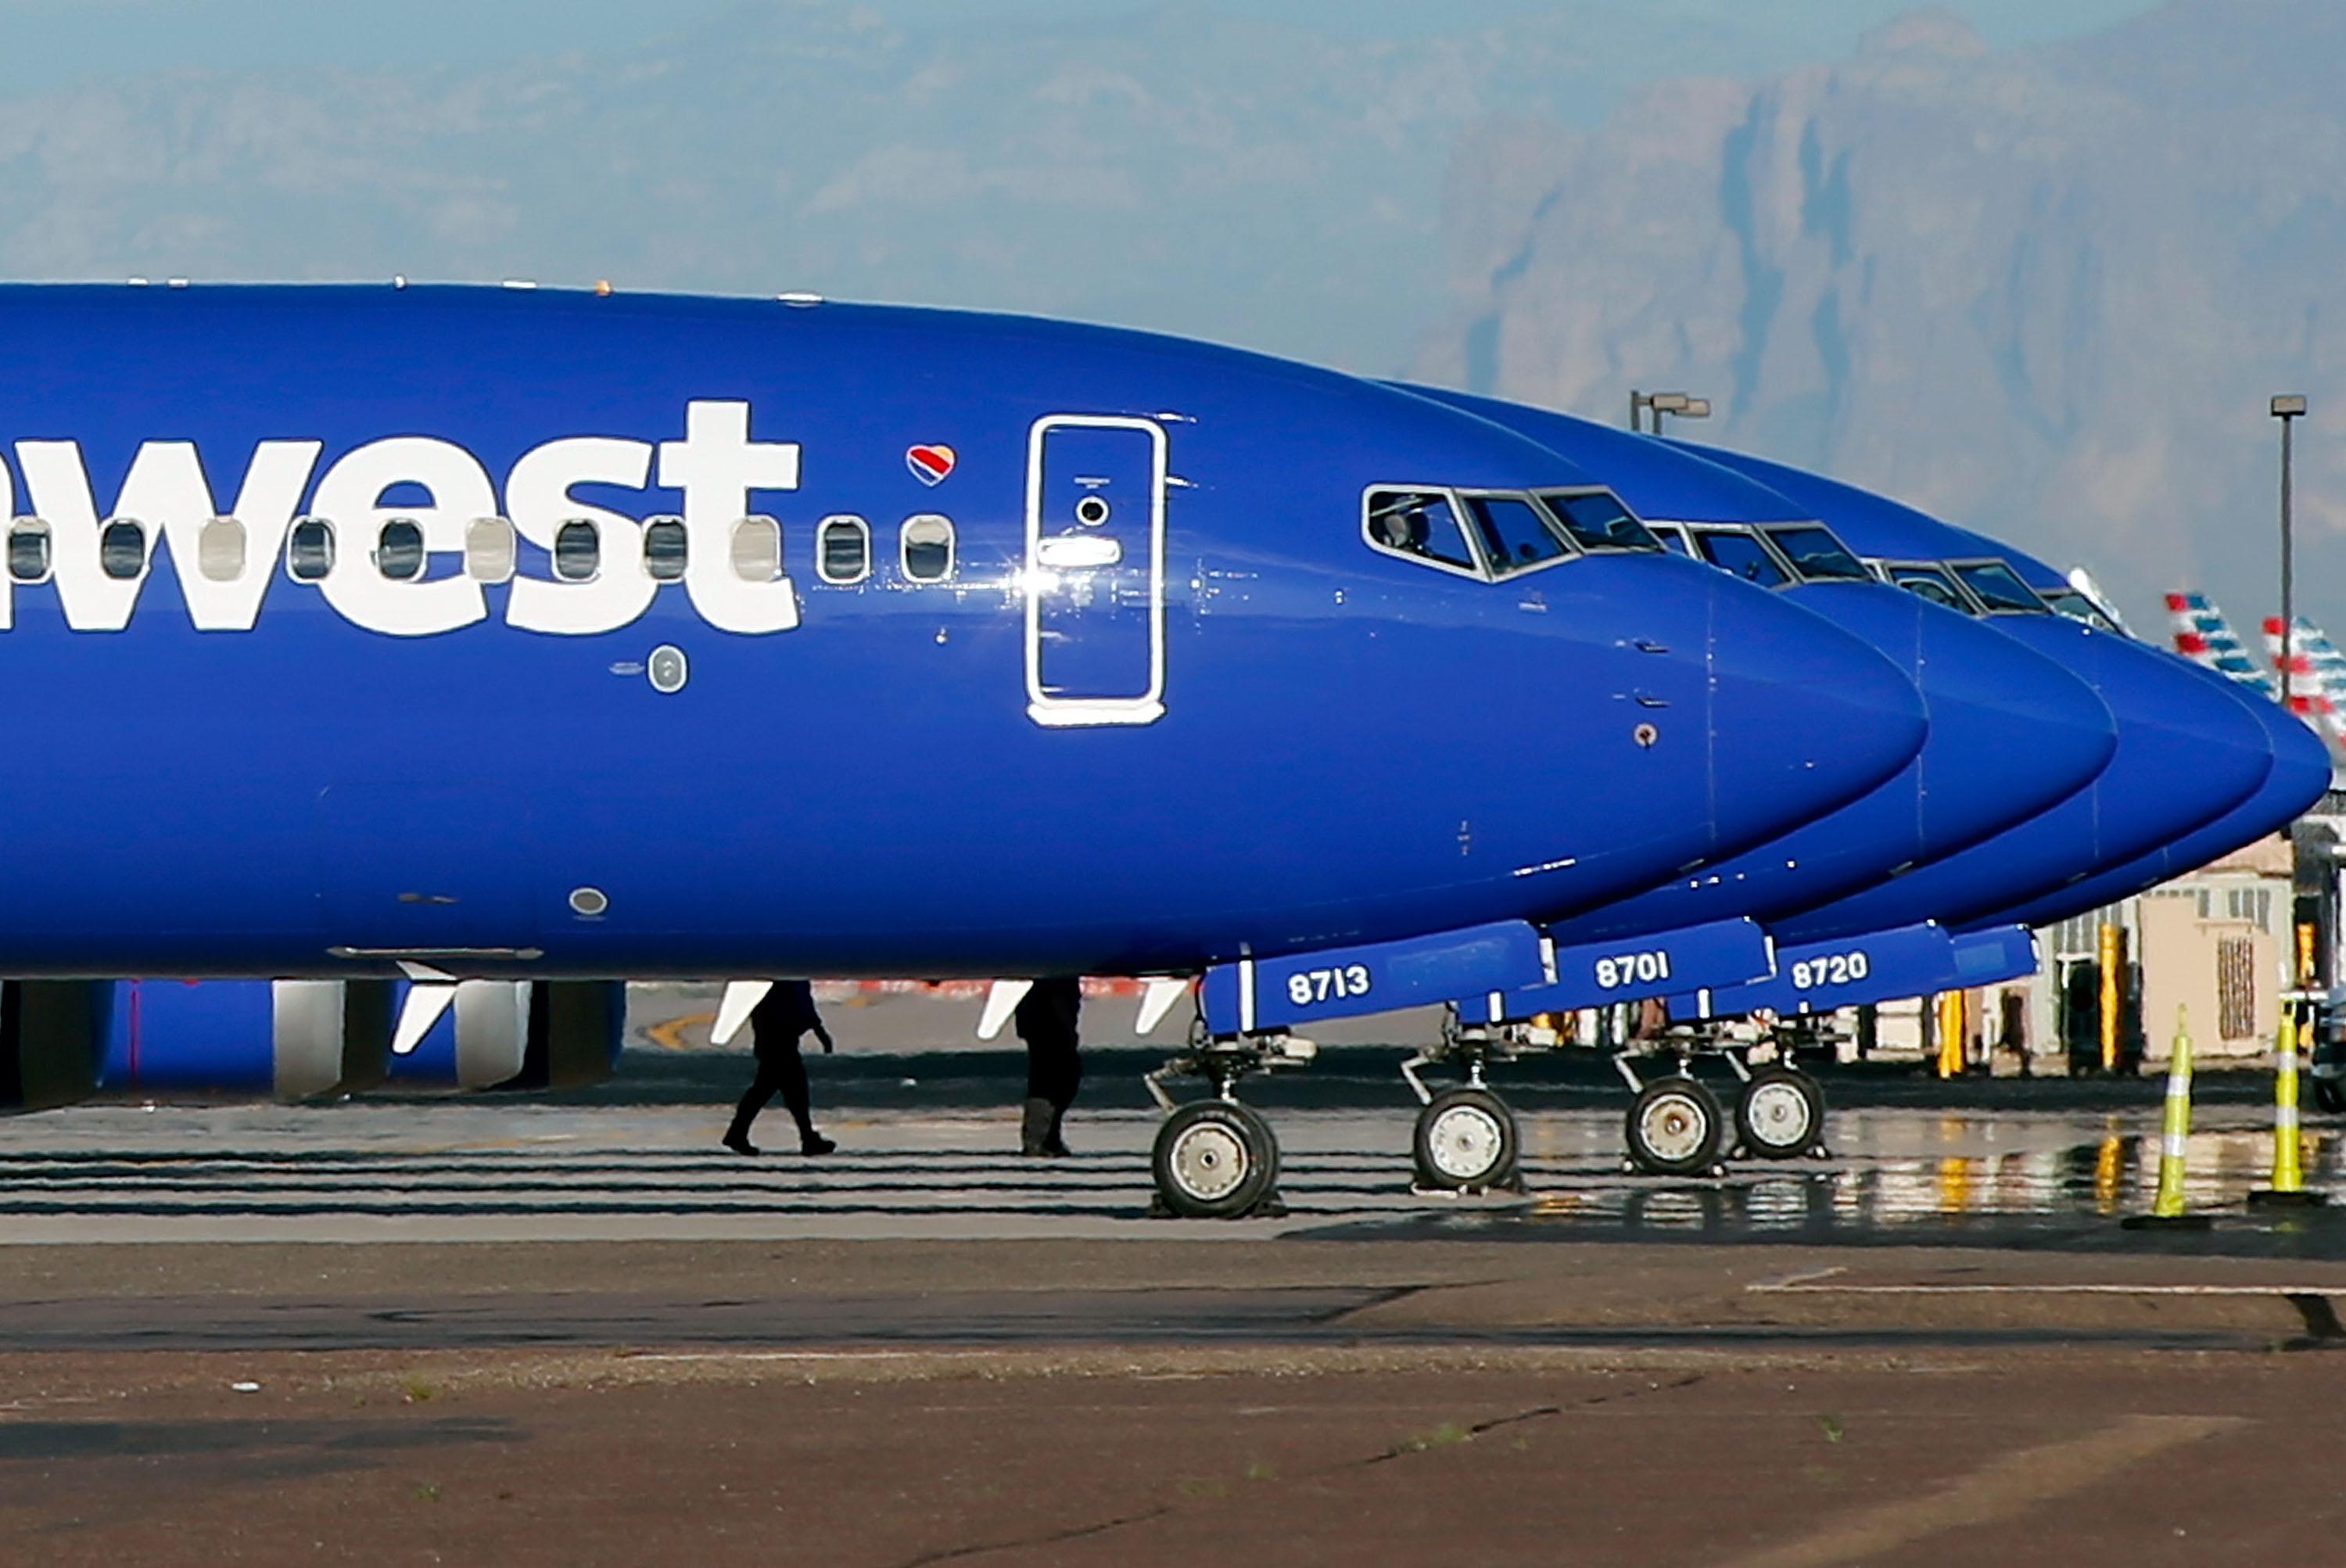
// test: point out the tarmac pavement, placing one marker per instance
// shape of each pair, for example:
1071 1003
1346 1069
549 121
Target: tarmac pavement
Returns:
573 1329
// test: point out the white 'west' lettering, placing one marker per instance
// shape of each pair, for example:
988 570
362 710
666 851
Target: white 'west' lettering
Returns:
348 497
167 494
537 499
58 483
167 490
716 466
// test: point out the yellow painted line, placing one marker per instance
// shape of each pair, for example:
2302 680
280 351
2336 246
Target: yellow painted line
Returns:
668 1036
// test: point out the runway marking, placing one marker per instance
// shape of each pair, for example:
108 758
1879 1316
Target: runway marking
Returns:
668 1034
1997 1490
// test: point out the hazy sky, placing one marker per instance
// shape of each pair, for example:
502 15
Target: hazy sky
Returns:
46 42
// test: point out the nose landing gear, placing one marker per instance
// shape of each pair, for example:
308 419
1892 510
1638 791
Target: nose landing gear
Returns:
1675 1126
1780 1114
1216 1158
1467 1139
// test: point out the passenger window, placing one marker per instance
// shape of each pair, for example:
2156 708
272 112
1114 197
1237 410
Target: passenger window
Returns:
28 550
1516 533
925 547
309 549
399 550
1927 584
1422 525
1999 588
122 549
489 550
219 550
757 549
578 551
1817 555
665 548
1597 521
1743 555
844 550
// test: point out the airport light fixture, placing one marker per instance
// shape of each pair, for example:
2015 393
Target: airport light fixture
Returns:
1679 403
2288 408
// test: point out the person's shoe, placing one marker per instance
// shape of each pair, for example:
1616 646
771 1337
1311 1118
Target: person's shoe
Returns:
1035 1133
815 1142
740 1144
1054 1144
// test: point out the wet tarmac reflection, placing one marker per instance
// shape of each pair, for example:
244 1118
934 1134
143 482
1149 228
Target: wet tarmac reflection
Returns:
1903 1178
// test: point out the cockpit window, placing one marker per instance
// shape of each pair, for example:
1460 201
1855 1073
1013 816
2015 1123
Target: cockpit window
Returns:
1930 583
1515 535
1673 538
2076 606
1999 588
1597 521
1817 556
1421 524
1743 555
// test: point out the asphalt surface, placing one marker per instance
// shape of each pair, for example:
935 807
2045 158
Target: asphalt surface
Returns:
571 1328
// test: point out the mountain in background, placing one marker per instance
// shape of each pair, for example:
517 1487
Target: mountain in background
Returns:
2046 292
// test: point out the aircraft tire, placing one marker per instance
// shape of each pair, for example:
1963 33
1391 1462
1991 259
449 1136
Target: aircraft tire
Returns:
1675 1128
1467 1139
1214 1159
1780 1114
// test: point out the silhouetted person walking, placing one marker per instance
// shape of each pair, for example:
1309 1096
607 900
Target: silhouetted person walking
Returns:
1045 1020
775 1024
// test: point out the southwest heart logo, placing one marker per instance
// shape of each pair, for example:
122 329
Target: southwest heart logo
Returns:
929 464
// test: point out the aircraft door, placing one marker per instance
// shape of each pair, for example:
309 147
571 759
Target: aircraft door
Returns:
1094 570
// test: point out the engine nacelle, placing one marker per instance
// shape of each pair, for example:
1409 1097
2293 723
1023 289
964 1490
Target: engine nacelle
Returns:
52 1040
249 1039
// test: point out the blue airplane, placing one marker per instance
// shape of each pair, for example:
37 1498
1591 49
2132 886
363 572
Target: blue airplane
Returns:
1932 556
430 635
2012 734
1933 923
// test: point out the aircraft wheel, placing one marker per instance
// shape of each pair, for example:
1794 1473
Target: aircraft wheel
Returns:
2329 1094
1675 1127
1215 1160
1465 1138
1781 1113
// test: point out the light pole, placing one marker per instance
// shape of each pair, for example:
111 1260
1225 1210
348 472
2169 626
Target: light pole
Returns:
1679 403
2288 408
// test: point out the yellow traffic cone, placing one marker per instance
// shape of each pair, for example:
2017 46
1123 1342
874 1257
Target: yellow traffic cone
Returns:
2287 1188
2166 1211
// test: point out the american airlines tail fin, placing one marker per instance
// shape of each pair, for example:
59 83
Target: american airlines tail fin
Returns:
2204 636
2316 674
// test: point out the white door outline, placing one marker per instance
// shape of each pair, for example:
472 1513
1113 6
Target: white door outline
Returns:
1073 712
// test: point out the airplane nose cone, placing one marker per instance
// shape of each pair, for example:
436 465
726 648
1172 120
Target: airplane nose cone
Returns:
2301 775
2188 750
1805 716
2185 753
2012 732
